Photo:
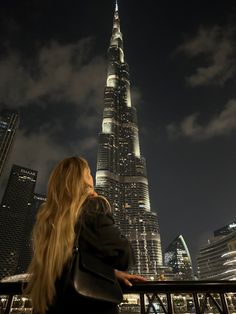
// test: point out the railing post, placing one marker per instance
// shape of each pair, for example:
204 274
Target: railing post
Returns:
224 303
196 303
9 302
142 303
169 303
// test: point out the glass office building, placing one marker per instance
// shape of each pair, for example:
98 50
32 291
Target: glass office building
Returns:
15 211
9 122
177 257
217 259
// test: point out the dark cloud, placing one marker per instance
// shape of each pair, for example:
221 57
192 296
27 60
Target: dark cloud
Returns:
223 123
65 75
216 46
38 151
60 72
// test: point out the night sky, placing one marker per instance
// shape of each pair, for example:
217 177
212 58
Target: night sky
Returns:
183 77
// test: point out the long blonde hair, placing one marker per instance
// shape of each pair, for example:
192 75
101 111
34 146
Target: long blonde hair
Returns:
53 233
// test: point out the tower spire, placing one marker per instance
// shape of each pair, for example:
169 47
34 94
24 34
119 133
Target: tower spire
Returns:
116 38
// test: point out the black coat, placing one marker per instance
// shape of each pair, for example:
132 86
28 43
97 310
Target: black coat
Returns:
99 236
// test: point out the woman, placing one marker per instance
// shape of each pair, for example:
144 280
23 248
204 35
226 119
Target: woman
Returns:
70 199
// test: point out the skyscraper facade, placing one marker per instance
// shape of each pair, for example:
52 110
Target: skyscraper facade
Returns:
225 230
9 121
217 259
177 257
121 170
14 212
26 250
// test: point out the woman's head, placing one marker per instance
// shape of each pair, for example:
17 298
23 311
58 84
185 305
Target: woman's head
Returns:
69 182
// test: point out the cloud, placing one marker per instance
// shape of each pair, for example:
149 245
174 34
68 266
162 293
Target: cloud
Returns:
38 151
136 97
90 121
217 50
221 124
87 144
57 72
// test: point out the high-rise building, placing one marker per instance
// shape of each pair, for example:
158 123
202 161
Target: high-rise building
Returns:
225 230
217 259
9 121
14 212
121 170
26 251
177 257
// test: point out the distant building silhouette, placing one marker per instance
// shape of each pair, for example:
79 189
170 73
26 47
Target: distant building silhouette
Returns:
9 122
121 170
177 257
15 211
217 259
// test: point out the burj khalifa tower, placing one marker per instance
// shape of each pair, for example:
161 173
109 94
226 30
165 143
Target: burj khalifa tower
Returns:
121 169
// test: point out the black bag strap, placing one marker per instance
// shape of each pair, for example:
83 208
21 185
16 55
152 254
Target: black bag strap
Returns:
75 251
78 231
75 247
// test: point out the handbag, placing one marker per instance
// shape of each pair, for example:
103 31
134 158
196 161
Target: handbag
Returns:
92 278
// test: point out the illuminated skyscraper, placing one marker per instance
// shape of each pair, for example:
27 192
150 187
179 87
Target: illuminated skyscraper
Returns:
217 259
14 212
178 258
9 122
121 170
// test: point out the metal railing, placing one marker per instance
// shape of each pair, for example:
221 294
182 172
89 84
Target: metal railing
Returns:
153 297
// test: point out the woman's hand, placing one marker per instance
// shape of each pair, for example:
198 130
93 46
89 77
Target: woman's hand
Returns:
127 278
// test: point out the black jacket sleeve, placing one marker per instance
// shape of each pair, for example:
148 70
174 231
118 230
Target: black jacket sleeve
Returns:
100 236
